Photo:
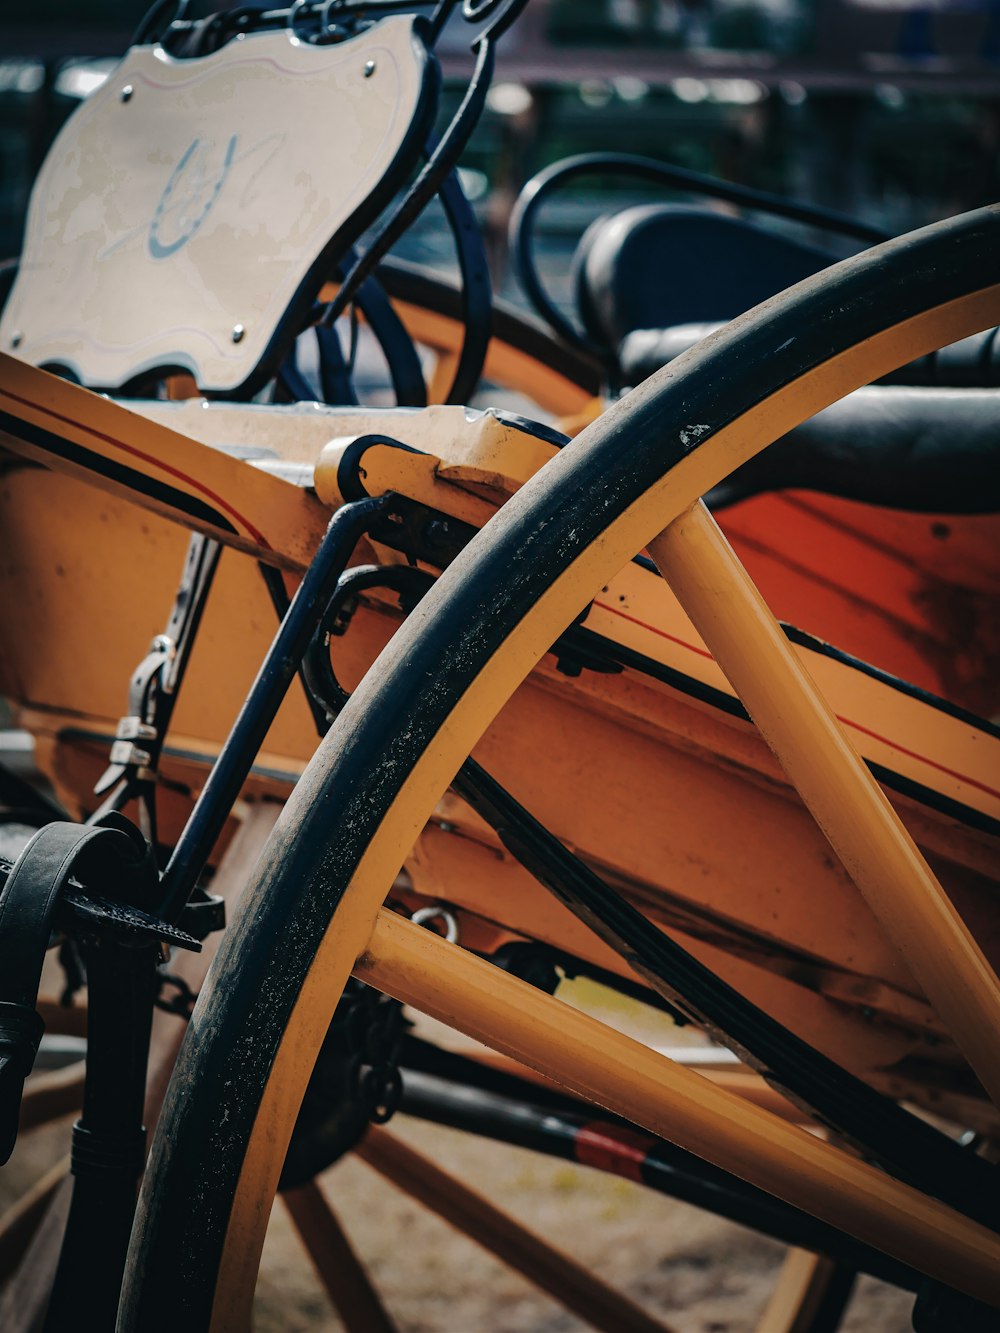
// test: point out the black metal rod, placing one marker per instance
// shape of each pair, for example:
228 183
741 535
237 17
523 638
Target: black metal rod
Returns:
424 188
476 286
326 694
109 1140
907 1147
593 1139
541 186
200 565
262 703
280 600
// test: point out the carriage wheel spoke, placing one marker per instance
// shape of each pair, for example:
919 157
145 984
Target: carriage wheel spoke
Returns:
889 1135
866 833
810 1295
341 1272
27 1294
554 1272
597 1063
23 1218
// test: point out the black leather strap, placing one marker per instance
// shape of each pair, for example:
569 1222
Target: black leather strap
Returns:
112 855
102 855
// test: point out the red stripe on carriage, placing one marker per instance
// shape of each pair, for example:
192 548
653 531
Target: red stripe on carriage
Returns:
654 629
856 726
222 504
912 754
613 1148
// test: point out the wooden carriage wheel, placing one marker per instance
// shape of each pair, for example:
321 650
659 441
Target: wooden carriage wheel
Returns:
314 910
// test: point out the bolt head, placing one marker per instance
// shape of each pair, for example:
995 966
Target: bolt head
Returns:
238 333
16 338
126 93
369 69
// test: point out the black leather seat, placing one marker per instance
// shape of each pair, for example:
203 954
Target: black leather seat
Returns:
931 450
652 280
656 266
973 363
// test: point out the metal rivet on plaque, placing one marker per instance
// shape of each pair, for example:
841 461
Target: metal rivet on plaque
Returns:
369 68
238 333
126 93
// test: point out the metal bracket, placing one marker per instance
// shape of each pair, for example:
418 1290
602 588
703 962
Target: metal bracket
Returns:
155 682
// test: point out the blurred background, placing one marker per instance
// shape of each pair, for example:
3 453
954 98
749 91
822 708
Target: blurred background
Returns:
886 109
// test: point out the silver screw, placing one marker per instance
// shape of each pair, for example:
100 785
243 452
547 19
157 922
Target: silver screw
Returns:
126 93
15 338
369 68
238 333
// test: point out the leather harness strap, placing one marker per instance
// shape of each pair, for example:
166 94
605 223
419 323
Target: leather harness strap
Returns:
112 855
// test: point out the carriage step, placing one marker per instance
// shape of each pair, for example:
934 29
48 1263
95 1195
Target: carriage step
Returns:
80 914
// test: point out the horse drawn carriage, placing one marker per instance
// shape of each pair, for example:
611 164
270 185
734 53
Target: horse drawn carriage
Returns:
445 705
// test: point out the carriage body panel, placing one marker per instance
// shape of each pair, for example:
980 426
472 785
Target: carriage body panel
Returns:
658 758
